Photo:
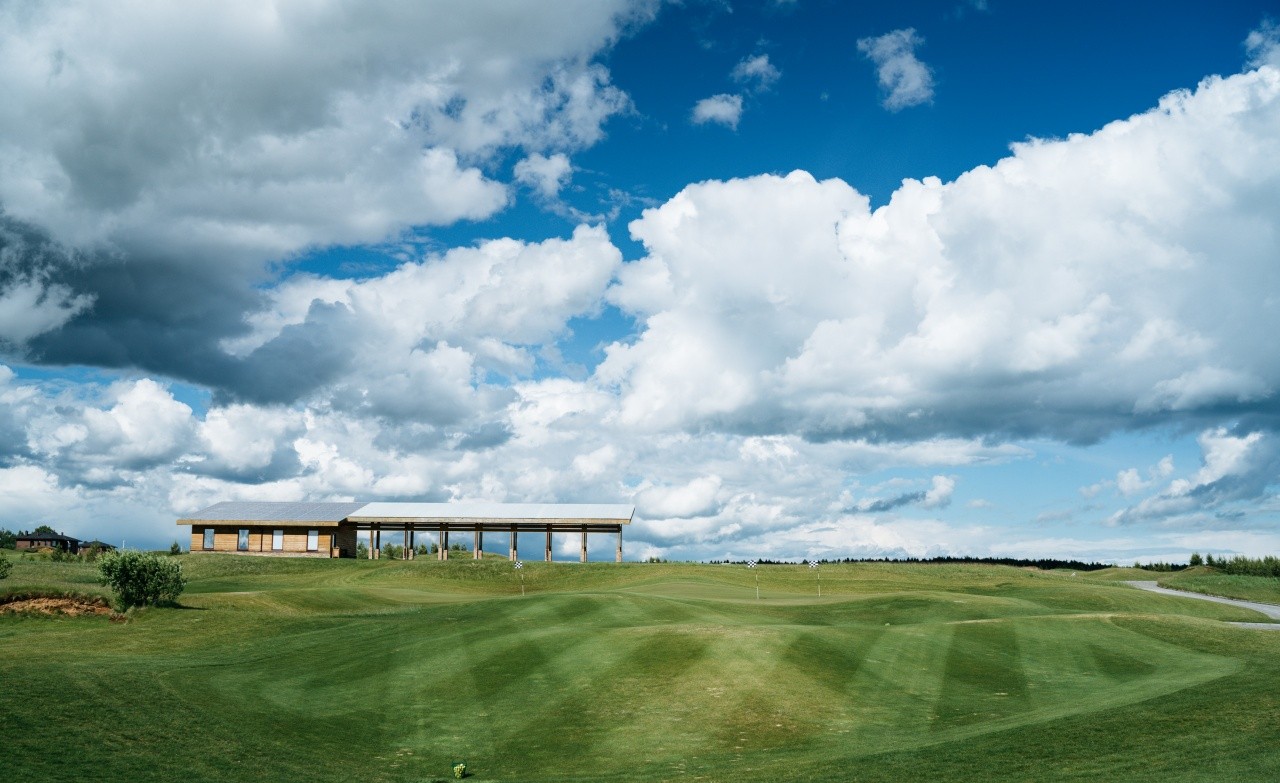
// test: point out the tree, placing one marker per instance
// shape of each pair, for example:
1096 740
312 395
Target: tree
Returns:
5 566
8 539
1196 559
142 578
44 529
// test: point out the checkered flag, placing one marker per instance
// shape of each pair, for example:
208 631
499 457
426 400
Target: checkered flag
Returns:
751 563
518 564
813 563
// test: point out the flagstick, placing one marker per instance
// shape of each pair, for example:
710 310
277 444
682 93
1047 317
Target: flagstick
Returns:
757 585
521 583
819 570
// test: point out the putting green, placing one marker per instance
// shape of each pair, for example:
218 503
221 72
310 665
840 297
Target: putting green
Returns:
390 671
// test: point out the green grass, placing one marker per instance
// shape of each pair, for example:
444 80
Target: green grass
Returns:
390 671
1212 582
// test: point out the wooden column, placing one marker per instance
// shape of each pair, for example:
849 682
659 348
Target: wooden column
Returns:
619 560
514 548
476 554
582 558
444 543
404 544
408 546
548 554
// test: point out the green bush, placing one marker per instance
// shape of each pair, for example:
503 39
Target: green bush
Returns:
5 566
141 578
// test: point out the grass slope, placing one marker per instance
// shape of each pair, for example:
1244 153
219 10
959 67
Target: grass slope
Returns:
389 671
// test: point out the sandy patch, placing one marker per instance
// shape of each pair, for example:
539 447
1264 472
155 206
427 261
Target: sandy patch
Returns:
74 607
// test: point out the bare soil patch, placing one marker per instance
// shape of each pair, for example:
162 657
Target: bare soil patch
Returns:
73 607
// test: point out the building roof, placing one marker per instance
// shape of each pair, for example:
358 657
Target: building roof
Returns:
284 513
45 537
603 512
330 514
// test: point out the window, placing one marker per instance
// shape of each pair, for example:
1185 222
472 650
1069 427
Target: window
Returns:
313 540
242 540
277 540
208 538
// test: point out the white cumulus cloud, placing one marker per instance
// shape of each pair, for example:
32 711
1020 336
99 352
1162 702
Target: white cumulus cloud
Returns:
905 79
720 109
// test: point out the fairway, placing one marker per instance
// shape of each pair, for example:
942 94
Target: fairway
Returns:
373 671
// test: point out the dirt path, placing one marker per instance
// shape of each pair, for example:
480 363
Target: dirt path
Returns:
1270 610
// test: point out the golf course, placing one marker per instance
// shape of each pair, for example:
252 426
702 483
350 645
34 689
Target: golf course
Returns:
356 670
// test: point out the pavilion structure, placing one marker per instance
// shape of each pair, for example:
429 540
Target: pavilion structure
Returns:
332 529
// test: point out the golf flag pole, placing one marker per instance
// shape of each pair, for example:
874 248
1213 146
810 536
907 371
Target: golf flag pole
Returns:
814 565
519 565
752 564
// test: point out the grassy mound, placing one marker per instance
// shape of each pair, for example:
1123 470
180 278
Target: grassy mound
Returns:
358 670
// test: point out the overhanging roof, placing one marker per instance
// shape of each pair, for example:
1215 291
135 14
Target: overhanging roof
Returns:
497 512
283 513
330 514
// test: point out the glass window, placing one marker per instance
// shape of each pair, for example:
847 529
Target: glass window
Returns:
242 540
277 540
313 540
208 538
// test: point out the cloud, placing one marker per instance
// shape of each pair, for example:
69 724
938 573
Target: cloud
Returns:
720 109
544 175
1234 477
695 499
1077 287
756 72
30 304
1262 46
419 342
906 80
938 495
176 152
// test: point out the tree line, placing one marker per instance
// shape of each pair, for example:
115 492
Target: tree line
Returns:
1268 566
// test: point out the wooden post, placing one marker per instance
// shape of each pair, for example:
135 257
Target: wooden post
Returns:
404 544
582 558
479 544
513 544
619 560
444 543
409 546
548 554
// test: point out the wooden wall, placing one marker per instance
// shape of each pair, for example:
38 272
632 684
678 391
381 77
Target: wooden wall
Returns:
295 541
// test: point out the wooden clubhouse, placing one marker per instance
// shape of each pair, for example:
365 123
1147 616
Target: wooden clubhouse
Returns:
333 529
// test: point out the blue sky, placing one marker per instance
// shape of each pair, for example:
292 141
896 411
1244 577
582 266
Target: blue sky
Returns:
796 278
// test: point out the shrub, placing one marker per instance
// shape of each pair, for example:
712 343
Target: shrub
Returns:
5 566
460 770
175 548
141 578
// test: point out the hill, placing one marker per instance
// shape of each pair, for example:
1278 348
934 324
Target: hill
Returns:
389 671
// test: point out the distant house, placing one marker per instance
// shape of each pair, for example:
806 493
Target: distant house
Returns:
101 546
48 541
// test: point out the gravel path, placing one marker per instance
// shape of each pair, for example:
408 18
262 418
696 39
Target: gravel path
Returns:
1270 610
